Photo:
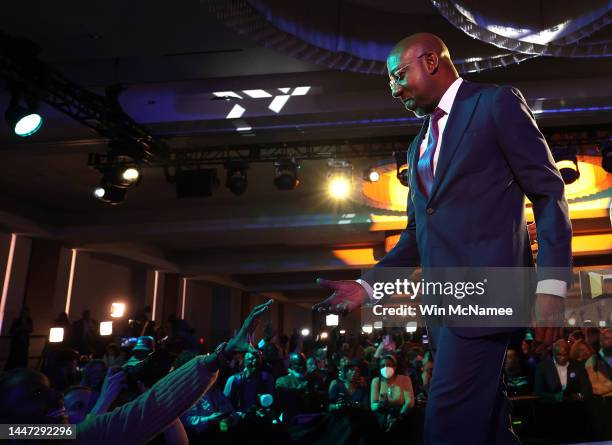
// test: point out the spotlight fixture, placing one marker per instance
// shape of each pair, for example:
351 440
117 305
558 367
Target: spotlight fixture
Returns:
606 156
339 179
285 174
367 328
371 175
123 172
567 163
323 336
23 120
109 193
401 161
236 177
305 332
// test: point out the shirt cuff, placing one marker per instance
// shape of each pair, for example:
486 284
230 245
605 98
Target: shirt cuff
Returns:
552 287
366 286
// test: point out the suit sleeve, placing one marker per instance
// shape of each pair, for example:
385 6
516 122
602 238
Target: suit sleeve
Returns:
404 254
534 169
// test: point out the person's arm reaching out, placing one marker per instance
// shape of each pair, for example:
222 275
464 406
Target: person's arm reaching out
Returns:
152 412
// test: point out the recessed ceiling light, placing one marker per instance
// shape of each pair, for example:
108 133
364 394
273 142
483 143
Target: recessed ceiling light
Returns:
224 94
257 94
236 112
278 103
300 91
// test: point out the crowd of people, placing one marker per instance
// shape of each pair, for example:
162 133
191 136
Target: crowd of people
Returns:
342 387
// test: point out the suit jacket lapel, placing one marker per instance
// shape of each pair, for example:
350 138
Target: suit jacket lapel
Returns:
458 120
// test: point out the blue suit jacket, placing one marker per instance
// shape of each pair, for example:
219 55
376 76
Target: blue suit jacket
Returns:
492 155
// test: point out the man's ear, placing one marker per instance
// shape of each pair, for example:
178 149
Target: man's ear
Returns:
432 62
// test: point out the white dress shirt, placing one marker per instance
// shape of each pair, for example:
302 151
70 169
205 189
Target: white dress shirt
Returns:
562 372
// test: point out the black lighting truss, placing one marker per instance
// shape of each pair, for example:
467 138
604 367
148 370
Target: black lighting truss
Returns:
585 139
298 151
28 75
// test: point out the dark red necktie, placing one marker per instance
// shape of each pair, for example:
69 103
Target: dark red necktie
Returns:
425 166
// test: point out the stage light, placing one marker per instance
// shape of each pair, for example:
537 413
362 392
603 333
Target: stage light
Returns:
323 336
378 325
117 310
99 192
371 175
411 326
122 176
339 187
285 174
606 156
331 320
236 177
602 323
571 321
23 120
110 194
342 331
131 174
106 328
339 179
305 332
56 335
367 328
567 163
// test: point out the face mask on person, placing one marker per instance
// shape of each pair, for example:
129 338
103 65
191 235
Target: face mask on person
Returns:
387 372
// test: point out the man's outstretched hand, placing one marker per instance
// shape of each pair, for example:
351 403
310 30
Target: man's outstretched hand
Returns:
346 297
241 342
549 310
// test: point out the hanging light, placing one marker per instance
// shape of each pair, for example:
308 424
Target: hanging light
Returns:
285 174
339 179
23 120
109 193
236 180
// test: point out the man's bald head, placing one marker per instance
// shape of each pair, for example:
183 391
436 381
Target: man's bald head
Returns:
420 43
420 70
561 350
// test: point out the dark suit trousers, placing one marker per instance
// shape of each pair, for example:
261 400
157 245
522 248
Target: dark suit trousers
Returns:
467 400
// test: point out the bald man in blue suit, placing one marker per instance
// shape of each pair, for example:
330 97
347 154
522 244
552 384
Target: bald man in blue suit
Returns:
477 156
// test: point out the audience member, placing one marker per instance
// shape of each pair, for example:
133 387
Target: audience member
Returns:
391 396
20 331
599 366
243 388
518 381
27 397
580 351
83 333
113 356
558 378
348 388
